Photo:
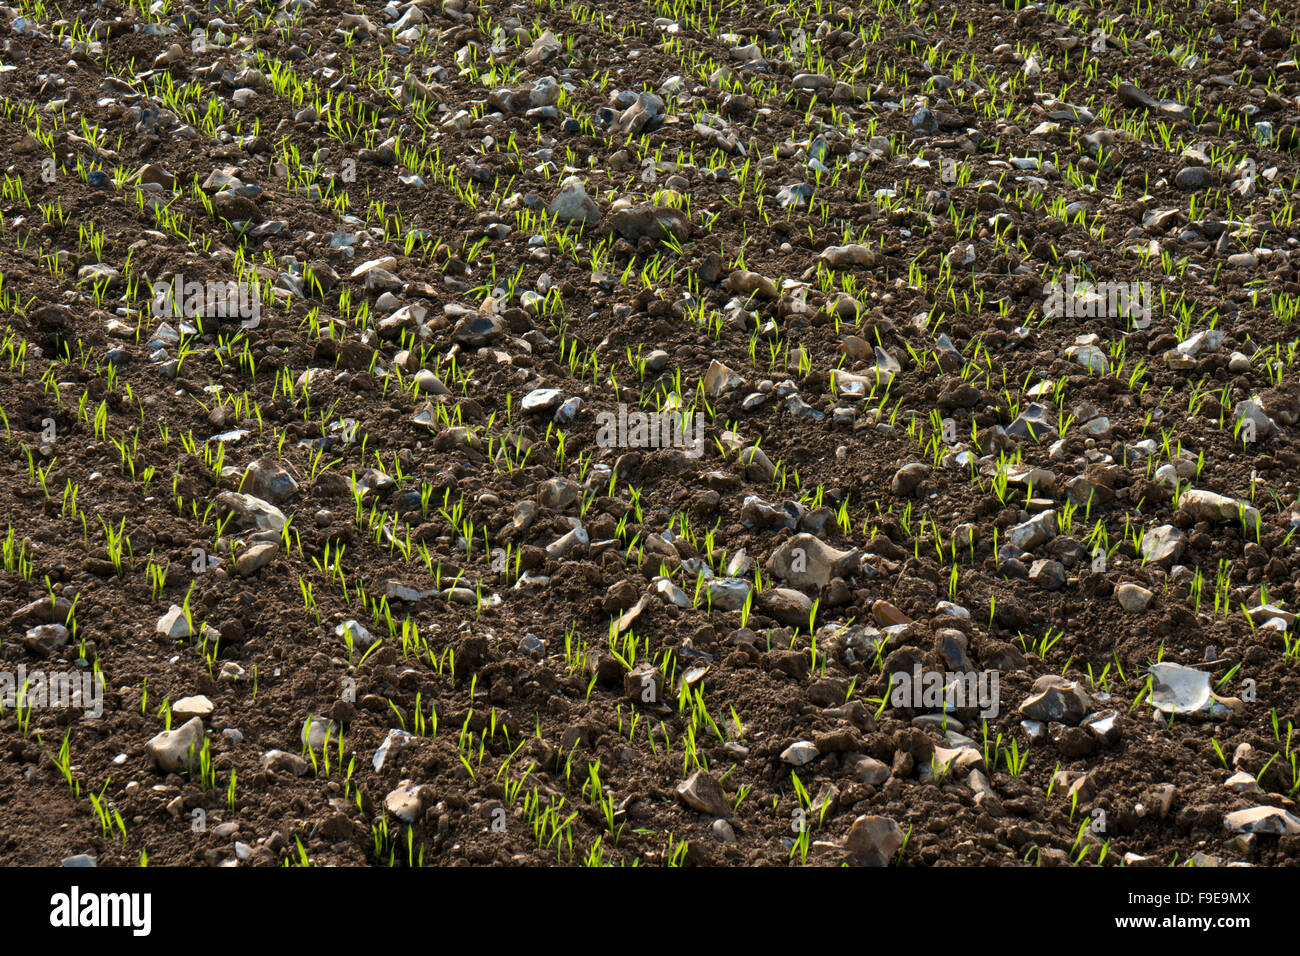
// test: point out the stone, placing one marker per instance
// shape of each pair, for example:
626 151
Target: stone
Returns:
1242 782
1209 506
571 541
404 803
719 379
808 562
173 750
1162 545
745 283
1133 597
702 793
1037 530
1090 357
857 254
255 558
542 400
723 831
1271 820
643 684
391 745
800 752
908 478
476 331
727 594
1047 574
174 625
1033 423
1104 725
187 708
352 631
42 610
787 605
870 771
1193 178
151 173
1206 339
281 761
650 222
1053 698
319 733
1185 691
572 204
873 841
546 47
558 493
1250 413
428 383
46 640
269 480
250 513
886 615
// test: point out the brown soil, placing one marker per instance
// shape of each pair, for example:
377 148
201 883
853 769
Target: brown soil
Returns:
583 766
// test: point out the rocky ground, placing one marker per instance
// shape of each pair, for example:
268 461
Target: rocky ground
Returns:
663 433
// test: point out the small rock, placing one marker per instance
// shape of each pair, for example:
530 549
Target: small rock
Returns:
174 625
404 803
908 478
1185 691
281 761
187 708
808 562
800 752
1054 698
1208 506
787 605
873 841
361 638
1047 574
46 639
546 47
250 513
173 750
255 558
572 204
702 793
1193 178
723 831
1162 545
1272 820
1133 597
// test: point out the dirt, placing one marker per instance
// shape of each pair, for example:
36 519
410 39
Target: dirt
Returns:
552 757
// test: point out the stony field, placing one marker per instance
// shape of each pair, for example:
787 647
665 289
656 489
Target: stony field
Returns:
656 432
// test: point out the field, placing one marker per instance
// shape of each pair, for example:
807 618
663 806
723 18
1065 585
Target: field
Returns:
655 432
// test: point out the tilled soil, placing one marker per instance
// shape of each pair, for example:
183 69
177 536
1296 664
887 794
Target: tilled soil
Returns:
366 575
